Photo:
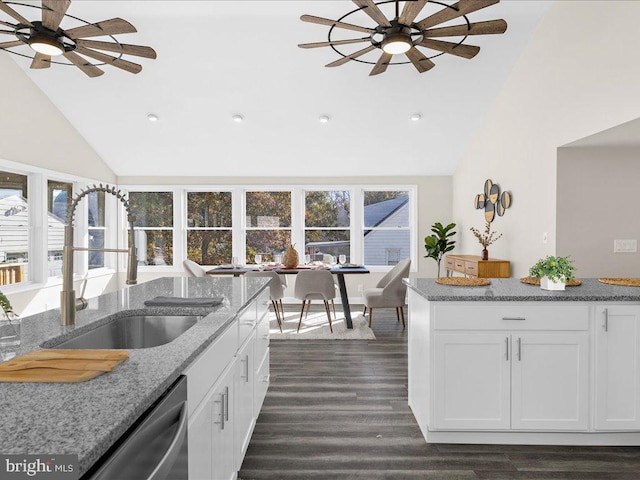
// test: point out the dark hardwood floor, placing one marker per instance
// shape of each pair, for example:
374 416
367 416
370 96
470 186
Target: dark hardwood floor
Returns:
338 410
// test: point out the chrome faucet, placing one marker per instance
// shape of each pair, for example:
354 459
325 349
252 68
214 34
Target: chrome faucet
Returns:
69 304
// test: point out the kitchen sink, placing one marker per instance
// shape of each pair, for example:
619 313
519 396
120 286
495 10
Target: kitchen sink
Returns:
136 331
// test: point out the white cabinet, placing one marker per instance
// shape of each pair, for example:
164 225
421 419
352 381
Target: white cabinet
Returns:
471 381
617 367
244 383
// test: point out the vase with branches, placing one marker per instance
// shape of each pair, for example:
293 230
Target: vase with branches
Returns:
486 238
440 242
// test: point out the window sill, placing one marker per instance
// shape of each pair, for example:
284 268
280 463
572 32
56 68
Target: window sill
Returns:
52 282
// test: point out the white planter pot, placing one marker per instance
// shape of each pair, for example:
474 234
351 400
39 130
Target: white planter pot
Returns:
546 284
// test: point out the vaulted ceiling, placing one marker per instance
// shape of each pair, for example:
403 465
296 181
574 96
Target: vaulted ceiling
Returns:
220 58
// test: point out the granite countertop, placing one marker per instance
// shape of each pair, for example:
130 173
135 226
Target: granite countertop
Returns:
512 290
87 418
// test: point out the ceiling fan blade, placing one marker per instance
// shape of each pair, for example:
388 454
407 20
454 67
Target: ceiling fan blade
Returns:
7 24
108 59
491 27
334 42
460 50
370 8
13 14
419 61
333 23
89 69
41 61
348 58
114 26
136 50
411 10
15 43
383 63
53 12
456 10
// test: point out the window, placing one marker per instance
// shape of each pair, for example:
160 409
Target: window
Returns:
209 227
387 234
153 227
268 224
96 223
14 228
58 199
327 222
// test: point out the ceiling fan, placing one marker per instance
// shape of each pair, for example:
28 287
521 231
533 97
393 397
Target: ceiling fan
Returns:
47 39
402 34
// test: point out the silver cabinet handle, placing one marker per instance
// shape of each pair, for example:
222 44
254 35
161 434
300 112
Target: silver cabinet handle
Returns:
246 376
506 341
226 403
519 349
222 419
606 320
513 318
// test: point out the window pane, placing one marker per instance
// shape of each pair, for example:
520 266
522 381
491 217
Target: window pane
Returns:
268 209
14 228
266 242
209 209
386 209
385 247
58 199
154 247
152 209
327 209
327 242
209 247
96 209
96 240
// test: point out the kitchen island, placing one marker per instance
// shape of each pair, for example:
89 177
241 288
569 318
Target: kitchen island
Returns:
511 363
88 418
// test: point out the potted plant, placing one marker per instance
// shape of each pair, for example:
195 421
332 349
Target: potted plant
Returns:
5 306
553 272
486 238
440 242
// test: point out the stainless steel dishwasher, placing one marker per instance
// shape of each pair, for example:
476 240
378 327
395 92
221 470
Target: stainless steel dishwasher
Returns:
154 449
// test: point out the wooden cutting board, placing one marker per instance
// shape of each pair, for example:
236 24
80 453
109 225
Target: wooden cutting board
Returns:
64 366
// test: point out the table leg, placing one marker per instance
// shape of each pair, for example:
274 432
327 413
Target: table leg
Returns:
345 300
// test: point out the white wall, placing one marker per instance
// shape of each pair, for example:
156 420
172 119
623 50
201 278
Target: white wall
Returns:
598 202
575 78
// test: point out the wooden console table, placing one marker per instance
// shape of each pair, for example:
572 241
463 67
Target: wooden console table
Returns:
474 266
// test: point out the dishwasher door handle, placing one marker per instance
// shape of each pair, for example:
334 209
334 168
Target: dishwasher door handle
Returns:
168 459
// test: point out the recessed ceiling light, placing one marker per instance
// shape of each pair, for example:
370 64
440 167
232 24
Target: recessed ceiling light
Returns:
323 118
237 118
415 117
152 117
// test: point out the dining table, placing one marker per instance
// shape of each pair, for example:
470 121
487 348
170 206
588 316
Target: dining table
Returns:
339 271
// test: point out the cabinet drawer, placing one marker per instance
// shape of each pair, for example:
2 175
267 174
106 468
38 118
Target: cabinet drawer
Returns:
206 369
262 337
510 316
262 384
246 321
449 263
459 265
471 268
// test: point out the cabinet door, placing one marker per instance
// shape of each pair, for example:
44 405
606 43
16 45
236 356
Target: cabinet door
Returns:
617 365
471 381
200 442
223 462
550 380
244 381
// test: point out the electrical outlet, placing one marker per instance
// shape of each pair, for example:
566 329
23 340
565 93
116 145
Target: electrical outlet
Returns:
625 246
360 289
545 237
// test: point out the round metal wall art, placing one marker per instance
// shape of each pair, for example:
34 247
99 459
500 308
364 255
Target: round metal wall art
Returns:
492 201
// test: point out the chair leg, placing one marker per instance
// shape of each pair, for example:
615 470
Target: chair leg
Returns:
402 313
282 310
334 310
326 307
301 312
364 311
397 314
308 306
370 316
275 308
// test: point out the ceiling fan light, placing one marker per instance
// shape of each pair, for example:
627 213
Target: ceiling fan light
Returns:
396 43
46 45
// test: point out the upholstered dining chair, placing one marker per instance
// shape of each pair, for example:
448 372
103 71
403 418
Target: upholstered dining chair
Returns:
390 292
315 285
276 293
193 269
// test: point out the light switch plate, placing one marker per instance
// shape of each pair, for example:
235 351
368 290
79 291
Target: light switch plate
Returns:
625 246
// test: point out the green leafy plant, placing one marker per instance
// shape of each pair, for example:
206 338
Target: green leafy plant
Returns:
440 242
4 304
555 268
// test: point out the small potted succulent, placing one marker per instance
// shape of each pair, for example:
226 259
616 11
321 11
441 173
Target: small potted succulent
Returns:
553 272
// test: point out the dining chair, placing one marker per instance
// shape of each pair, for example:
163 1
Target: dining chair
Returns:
193 269
276 293
390 292
315 285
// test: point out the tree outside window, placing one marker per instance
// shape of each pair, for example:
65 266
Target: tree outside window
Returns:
153 227
209 227
268 224
327 224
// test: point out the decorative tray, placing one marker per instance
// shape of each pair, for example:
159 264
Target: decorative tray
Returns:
463 281
536 281
624 282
